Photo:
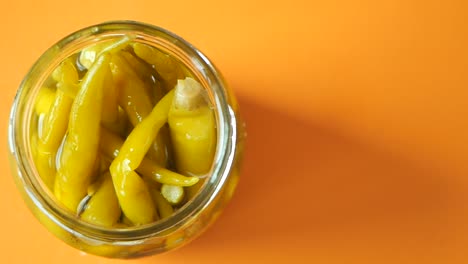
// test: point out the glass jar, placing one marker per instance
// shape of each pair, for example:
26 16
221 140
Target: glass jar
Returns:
187 222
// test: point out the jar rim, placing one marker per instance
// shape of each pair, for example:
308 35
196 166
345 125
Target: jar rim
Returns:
199 64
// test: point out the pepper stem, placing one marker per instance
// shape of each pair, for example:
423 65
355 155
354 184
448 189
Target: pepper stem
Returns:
188 94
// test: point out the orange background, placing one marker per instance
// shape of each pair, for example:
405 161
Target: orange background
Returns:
357 126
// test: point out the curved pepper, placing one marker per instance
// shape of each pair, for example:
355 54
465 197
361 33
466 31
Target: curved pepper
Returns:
133 98
103 207
132 192
110 145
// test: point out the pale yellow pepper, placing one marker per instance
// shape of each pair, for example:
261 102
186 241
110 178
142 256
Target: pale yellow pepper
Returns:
56 120
44 100
103 207
53 109
44 163
193 131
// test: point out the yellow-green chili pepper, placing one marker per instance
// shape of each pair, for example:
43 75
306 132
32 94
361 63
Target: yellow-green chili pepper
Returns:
110 108
103 207
193 131
89 54
147 74
53 120
66 76
164 208
56 120
110 145
132 192
55 123
161 151
87 57
154 172
126 221
132 92
45 164
44 101
141 69
137 104
81 146
121 126
167 67
44 161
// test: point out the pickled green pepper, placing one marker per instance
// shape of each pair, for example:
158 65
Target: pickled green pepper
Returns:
193 131
137 103
82 141
103 207
110 146
133 195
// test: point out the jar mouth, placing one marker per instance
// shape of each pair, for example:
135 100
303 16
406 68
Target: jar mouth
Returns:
192 58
